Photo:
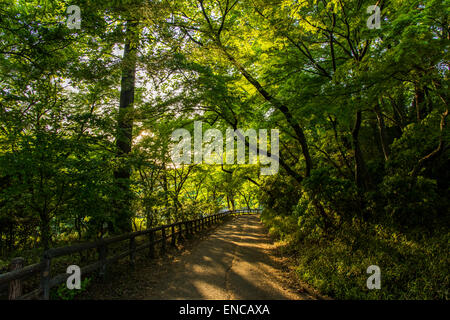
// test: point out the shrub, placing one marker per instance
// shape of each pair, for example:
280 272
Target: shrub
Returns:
63 293
410 269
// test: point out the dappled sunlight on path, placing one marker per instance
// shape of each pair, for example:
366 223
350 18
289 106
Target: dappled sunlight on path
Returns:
236 262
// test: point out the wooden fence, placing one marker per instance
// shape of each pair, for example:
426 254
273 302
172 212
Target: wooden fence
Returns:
156 236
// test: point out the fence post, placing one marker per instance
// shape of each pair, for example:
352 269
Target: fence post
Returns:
173 240
102 252
163 240
132 251
45 277
15 286
151 248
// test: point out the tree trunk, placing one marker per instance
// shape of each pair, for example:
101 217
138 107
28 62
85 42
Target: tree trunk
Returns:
435 153
382 130
420 104
361 175
338 144
233 207
283 109
122 205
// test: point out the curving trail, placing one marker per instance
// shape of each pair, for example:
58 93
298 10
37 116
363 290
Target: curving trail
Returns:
235 262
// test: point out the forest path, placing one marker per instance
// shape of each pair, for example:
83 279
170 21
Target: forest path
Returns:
236 262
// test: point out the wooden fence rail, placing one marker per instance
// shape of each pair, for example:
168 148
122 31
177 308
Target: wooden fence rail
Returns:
174 232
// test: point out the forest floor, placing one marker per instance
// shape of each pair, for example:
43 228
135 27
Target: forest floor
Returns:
234 261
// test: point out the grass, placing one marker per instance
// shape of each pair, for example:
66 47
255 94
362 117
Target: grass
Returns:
337 265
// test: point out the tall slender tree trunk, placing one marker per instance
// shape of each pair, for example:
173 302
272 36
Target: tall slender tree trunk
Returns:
361 174
124 135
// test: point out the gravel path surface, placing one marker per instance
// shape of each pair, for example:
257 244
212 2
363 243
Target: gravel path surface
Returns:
237 261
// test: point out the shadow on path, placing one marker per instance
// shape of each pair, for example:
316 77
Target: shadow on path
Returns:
236 262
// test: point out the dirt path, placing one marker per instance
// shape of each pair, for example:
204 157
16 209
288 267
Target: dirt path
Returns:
237 261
